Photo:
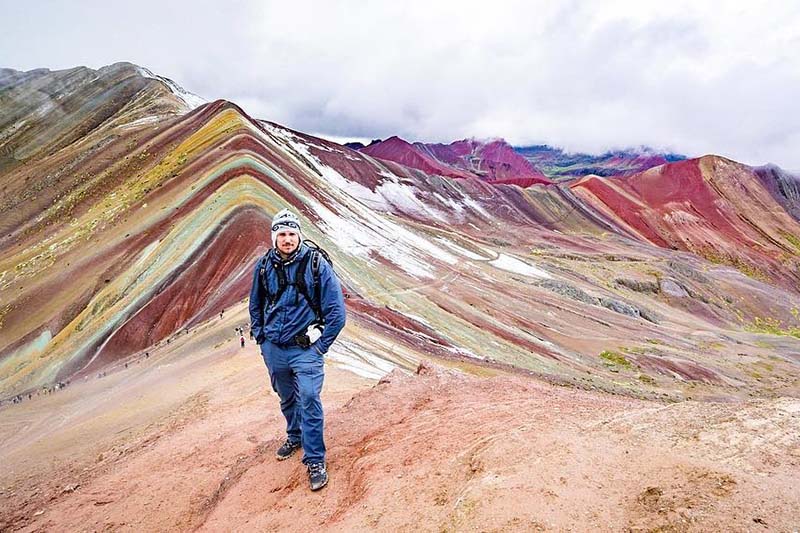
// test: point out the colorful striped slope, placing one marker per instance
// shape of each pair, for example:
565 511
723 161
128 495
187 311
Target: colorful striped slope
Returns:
128 219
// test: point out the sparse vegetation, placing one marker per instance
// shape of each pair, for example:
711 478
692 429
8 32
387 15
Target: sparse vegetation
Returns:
644 378
3 313
705 346
633 349
736 262
655 273
772 326
615 358
769 367
475 370
793 240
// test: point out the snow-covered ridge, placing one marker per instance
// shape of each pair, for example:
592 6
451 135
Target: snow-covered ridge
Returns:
191 100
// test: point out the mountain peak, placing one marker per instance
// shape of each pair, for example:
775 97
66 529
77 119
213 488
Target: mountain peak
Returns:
492 161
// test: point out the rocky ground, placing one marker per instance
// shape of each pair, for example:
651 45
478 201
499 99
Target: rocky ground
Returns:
184 440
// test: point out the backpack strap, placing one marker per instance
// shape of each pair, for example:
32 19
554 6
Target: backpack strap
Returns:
265 265
320 251
262 269
315 259
302 288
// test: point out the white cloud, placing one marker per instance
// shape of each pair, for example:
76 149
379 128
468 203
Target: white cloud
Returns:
695 77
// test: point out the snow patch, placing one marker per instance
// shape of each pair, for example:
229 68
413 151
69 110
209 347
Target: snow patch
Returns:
512 264
354 359
680 217
143 120
462 251
379 237
392 193
450 202
416 318
373 233
191 100
458 350
387 174
471 202
402 197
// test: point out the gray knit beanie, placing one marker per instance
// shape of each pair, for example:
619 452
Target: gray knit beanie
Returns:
285 220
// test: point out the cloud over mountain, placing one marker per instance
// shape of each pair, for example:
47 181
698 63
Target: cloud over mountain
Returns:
682 76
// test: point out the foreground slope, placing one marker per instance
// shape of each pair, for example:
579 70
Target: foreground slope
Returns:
185 440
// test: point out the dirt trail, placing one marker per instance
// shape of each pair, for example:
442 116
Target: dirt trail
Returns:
436 451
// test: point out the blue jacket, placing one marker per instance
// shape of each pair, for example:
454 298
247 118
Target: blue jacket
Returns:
292 314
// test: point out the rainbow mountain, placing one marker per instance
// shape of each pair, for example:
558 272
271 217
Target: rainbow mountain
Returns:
498 162
132 212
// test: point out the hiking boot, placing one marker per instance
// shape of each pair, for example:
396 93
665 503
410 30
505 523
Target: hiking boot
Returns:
287 449
317 475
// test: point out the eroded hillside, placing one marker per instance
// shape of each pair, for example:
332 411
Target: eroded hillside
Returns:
679 281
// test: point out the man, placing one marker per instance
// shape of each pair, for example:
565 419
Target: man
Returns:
296 312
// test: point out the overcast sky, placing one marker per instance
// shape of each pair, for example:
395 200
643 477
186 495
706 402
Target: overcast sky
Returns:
692 77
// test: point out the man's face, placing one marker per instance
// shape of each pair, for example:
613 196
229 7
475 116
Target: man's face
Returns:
287 242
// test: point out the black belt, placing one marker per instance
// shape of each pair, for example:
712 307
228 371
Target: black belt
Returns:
290 344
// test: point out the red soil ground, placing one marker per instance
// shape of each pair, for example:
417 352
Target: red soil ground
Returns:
185 440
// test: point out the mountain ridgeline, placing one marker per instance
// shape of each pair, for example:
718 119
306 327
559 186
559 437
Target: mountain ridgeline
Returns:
131 214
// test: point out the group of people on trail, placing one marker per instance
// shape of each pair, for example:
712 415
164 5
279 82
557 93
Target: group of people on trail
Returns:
296 312
19 398
240 332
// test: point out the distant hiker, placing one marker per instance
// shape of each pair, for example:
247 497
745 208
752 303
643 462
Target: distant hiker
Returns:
296 312
241 340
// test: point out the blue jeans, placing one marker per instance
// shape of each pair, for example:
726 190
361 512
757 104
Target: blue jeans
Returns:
296 374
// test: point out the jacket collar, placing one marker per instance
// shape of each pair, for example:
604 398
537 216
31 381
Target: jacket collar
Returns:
275 256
